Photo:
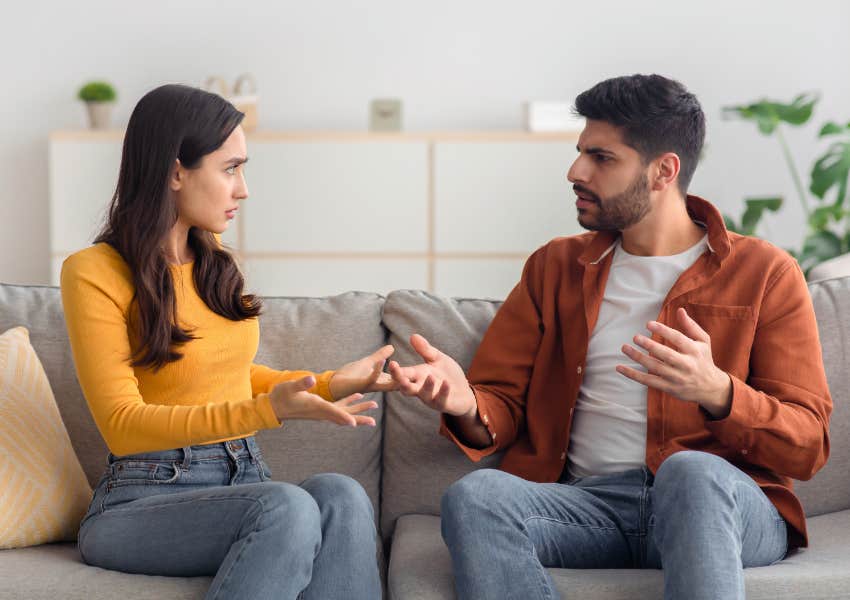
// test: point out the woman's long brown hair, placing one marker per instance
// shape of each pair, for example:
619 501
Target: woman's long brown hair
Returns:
171 122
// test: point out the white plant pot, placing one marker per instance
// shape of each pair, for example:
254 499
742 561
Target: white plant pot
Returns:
99 114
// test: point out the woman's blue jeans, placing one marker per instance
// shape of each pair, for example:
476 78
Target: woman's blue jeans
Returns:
213 510
700 517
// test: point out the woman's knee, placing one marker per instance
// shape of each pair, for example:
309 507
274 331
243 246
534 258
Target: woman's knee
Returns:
341 492
286 507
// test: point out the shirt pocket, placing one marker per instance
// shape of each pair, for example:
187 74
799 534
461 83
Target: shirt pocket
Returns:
721 311
143 472
732 331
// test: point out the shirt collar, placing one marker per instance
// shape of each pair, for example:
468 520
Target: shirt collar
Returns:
701 211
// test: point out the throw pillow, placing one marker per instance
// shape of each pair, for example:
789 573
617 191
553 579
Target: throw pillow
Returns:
43 490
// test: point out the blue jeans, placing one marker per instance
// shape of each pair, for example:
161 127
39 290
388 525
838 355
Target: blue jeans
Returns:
700 517
213 510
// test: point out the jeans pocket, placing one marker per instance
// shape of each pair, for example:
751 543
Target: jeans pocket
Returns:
143 472
263 469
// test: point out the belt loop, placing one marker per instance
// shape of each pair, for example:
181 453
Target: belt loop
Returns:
187 456
253 448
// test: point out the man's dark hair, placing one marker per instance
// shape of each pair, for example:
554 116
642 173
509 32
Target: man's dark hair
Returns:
655 114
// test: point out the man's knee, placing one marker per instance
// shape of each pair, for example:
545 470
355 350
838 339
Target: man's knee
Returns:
691 475
469 494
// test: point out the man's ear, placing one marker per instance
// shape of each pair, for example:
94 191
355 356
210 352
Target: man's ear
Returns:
666 171
177 176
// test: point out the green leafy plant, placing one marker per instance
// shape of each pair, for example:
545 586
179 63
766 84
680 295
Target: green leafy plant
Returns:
97 91
828 220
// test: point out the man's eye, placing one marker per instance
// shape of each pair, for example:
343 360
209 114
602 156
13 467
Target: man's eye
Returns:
601 158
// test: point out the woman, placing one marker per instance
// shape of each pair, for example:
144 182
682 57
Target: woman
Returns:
163 340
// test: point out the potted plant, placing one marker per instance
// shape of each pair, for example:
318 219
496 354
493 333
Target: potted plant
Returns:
99 97
823 202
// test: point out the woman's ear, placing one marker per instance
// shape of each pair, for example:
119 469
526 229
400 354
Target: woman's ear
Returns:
175 179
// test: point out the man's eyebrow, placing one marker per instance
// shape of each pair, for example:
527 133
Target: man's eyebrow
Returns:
596 150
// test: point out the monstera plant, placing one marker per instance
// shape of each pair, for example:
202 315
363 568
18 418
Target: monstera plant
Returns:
823 202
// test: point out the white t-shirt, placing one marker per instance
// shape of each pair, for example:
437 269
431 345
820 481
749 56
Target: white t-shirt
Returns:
609 422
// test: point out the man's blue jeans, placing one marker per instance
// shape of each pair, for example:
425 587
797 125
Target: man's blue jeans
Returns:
213 510
700 517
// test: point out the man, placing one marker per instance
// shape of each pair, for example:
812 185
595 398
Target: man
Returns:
656 383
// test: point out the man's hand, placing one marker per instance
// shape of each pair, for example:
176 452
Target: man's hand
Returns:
686 371
291 400
364 375
439 382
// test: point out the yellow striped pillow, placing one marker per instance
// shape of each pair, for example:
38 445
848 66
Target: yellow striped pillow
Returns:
43 490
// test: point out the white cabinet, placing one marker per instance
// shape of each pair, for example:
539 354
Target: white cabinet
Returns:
456 214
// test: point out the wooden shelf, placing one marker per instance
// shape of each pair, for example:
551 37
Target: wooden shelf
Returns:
352 136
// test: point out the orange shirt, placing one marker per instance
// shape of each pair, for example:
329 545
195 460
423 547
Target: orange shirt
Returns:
748 295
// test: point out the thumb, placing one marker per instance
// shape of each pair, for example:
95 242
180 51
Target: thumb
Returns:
305 383
384 353
423 348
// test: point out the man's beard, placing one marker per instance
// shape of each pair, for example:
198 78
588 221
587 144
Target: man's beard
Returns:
617 212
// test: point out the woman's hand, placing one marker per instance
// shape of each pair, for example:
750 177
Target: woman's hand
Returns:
364 375
291 400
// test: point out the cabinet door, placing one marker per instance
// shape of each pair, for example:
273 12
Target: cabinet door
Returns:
495 203
340 197
82 177
328 217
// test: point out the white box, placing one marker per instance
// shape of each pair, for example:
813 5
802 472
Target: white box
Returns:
551 116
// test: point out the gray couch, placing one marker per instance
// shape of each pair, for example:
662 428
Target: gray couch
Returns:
403 463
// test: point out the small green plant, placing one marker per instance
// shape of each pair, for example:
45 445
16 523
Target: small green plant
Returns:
97 91
828 220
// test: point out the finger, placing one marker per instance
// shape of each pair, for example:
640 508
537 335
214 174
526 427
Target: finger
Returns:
339 416
408 388
442 397
652 365
659 351
364 420
400 373
653 381
348 399
426 393
384 383
423 348
361 407
691 327
383 354
678 339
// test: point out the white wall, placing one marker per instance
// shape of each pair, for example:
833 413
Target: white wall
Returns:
456 64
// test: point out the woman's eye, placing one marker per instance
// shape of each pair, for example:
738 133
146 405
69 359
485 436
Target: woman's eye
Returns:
230 170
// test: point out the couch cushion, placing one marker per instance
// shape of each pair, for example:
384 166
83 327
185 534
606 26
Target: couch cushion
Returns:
319 334
418 462
420 568
829 490
56 571
295 333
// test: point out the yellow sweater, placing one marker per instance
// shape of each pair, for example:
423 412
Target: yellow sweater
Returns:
214 393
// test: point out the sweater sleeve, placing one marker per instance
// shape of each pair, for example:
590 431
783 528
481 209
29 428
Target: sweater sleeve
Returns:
263 379
779 417
96 300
